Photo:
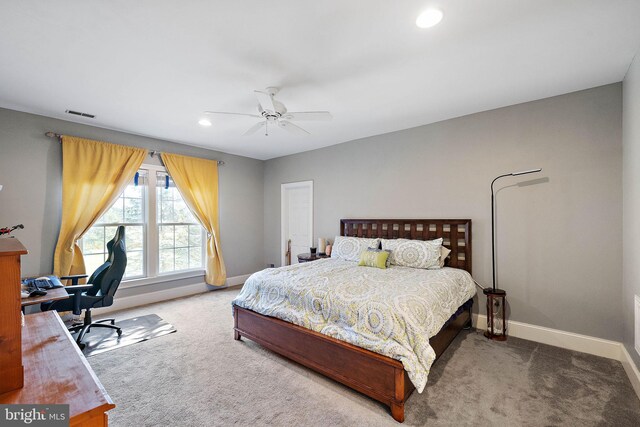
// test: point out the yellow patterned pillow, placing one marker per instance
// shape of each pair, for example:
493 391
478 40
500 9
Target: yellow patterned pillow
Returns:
374 258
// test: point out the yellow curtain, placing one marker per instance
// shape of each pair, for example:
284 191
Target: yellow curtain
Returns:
197 181
94 174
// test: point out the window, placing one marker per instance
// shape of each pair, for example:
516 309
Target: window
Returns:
180 234
162 236
128 210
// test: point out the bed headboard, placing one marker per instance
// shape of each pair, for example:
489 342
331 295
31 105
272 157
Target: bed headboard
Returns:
456 234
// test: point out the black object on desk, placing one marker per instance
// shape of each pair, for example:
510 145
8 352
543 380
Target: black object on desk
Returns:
44 282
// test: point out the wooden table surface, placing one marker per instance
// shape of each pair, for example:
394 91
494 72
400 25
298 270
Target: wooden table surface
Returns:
52 295
56 372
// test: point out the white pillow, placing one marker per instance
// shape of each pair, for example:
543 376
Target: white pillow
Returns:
414 253
350 248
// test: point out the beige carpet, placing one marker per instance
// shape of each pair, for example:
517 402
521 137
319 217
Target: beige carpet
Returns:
200 376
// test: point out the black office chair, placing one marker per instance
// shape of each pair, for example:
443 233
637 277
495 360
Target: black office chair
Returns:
98 292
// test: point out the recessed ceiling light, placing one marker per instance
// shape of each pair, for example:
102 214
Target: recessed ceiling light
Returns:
204 122
429 18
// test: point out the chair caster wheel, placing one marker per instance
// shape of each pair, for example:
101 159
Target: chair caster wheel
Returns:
81 345
119 332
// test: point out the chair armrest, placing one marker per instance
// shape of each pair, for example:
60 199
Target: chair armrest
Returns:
76 293
77 289
74 278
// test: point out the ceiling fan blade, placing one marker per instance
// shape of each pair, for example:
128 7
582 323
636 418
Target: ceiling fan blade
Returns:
266 101
233 114
253 129
309 115
290 127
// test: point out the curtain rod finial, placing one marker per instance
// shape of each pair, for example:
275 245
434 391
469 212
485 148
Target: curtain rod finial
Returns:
52 134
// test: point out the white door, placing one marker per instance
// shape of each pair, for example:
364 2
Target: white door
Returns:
297 219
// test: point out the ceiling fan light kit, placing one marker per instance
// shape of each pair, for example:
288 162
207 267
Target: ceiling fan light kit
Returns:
272 112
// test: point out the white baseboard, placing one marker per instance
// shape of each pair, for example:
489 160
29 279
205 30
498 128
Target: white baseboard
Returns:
557 338
168 294
571 341
236 280
630 368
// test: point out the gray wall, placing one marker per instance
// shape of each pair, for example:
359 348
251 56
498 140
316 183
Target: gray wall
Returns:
631 202
559 244
31 171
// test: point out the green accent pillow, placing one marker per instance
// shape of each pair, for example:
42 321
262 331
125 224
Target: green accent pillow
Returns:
374 258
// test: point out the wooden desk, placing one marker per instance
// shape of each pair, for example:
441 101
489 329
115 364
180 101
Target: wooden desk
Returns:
52 295
55 371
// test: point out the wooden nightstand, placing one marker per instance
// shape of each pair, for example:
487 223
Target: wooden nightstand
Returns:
310 257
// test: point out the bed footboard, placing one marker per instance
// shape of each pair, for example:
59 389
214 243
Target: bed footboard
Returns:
379 377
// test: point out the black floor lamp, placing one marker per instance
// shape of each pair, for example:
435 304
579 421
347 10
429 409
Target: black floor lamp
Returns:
497 298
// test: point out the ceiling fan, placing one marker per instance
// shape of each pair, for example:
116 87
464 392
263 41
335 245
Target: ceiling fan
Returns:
274 113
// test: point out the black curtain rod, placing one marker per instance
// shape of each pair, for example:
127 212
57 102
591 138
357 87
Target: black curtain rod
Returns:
151 153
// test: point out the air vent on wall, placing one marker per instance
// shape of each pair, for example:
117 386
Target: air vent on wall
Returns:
78 113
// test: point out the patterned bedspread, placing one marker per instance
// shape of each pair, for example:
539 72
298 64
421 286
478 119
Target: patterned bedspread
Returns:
392 312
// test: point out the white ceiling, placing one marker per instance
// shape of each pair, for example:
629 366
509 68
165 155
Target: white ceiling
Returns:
152 67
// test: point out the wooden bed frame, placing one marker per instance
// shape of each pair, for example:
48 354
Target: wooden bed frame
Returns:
375 375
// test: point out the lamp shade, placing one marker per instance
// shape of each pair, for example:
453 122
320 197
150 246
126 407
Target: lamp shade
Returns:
526 172
322 245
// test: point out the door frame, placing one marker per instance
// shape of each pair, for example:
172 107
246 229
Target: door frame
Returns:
283 188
